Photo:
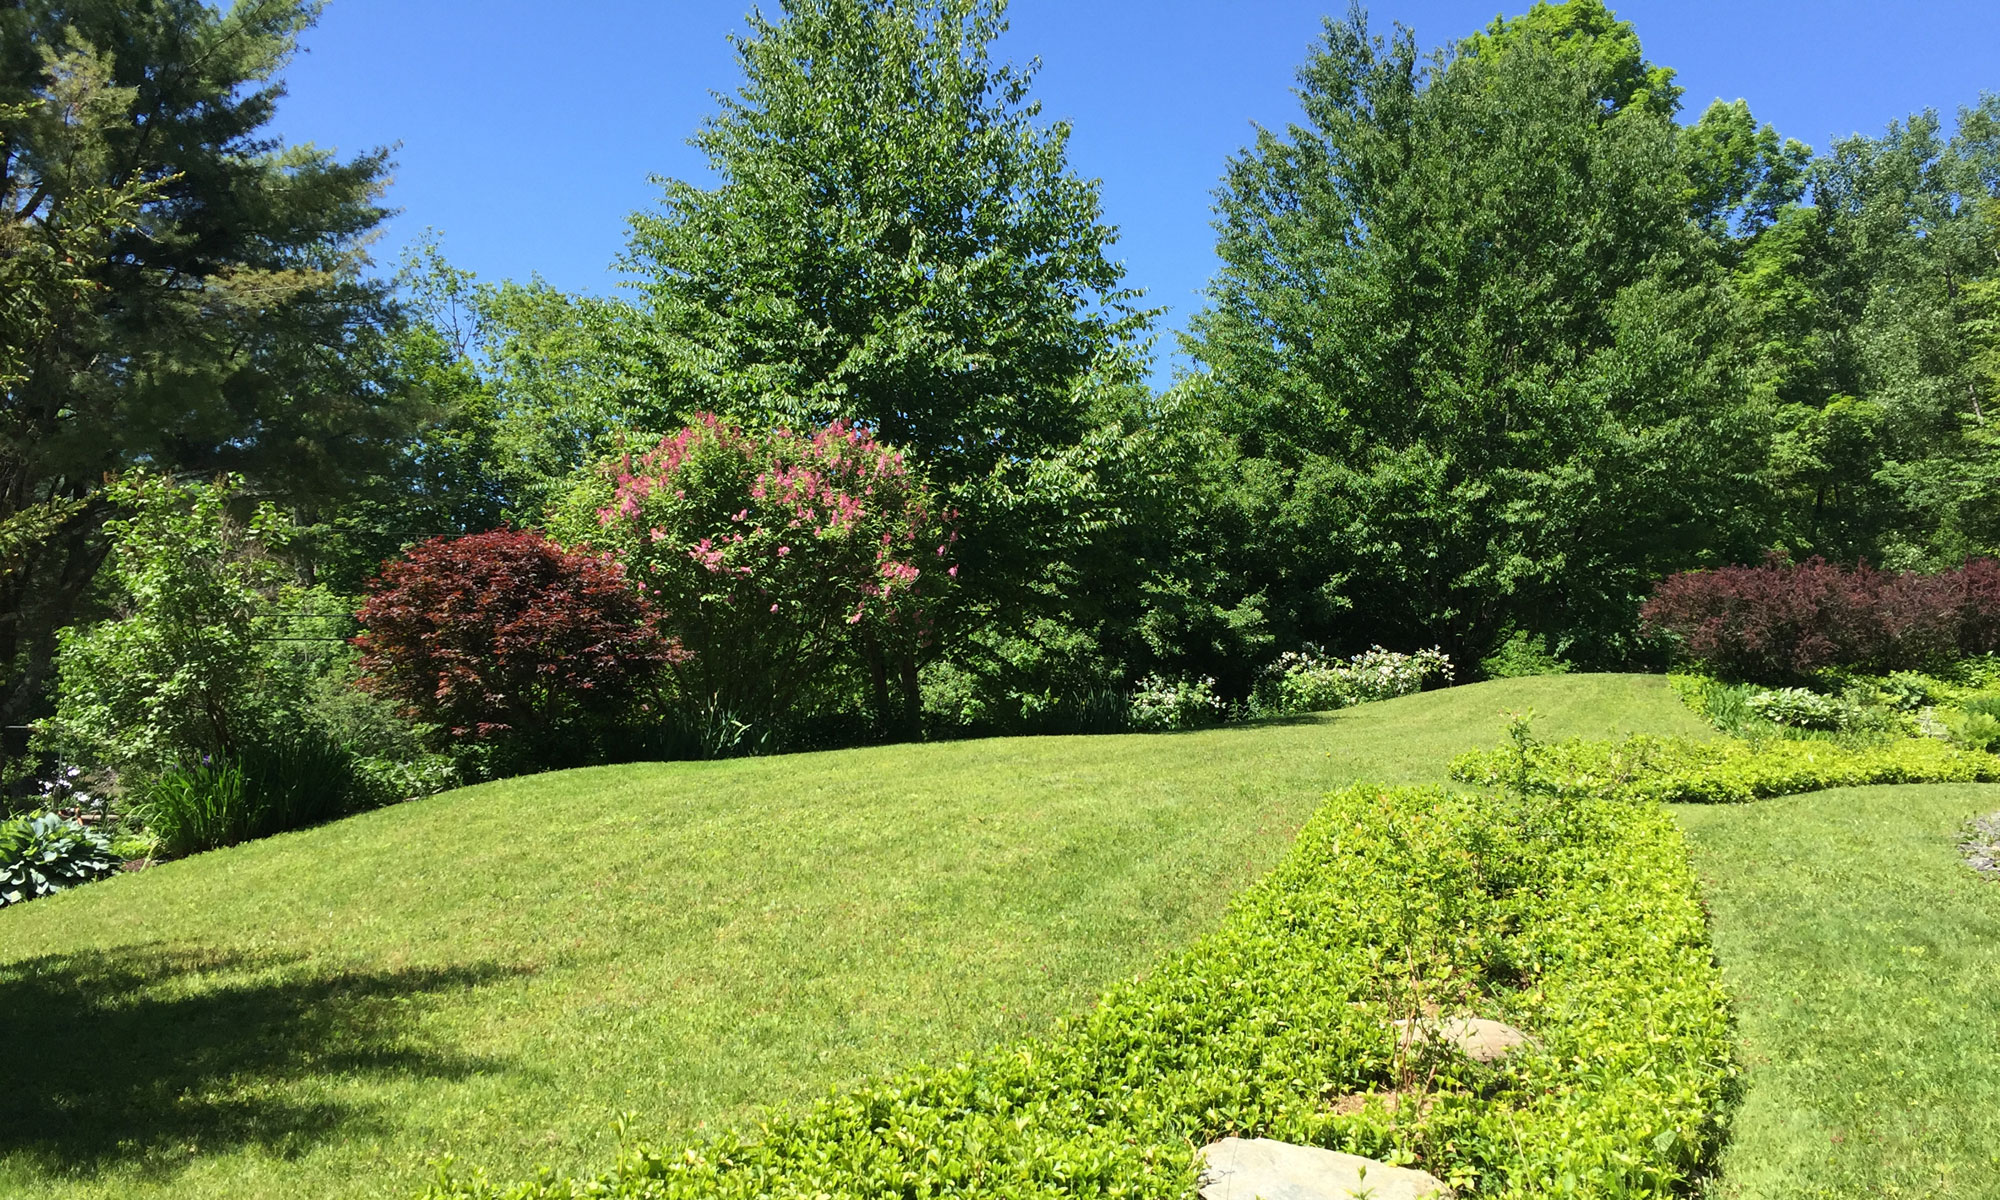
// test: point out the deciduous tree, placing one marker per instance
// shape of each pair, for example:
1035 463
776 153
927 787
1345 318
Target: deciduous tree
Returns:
1471 342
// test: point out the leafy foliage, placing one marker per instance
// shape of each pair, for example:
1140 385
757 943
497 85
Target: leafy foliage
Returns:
1784 621
893 241
895 238
1159 704
279 784
1310 680
1042 676
1472 346
1727 771
1800 707
45 853
1523 654
184 669
773 557
1975 729
1583 925
1867 308
183 291
506 635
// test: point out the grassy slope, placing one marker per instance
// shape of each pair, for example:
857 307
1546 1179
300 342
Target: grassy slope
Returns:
499 970
1865 961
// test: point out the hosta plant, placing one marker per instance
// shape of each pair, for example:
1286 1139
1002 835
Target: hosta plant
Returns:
44 854
1800 708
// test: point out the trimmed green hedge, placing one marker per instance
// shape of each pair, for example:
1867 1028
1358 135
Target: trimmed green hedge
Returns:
1678 770
1576 920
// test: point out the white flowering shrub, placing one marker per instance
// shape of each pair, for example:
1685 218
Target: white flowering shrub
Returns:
1159 704
1310 680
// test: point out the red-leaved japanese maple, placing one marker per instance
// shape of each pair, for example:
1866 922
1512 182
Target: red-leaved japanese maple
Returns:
507 633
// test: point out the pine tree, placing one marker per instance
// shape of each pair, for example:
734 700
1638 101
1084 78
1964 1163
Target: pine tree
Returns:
210 313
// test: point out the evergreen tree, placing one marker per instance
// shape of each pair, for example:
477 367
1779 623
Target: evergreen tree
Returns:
217 319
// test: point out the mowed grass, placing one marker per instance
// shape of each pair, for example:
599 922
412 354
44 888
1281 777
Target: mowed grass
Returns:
1864 959
499 971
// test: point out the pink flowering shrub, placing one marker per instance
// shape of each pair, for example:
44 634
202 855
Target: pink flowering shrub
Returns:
774 558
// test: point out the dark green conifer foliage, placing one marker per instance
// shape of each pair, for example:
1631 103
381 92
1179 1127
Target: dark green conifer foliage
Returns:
218 318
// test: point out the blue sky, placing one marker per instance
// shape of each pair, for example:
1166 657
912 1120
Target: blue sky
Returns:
527 130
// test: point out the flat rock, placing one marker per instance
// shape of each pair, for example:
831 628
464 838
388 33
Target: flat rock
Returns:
1982 844
1261 1169
1478 1039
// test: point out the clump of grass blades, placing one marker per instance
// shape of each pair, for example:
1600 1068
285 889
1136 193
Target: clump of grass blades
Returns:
286 783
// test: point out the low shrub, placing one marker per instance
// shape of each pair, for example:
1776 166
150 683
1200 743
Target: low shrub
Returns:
1310 680
1042 677
44 854
1160 704
1577 920
1523 655
1801 708
506 636
383 780
1975 723
1785 621
184 665
287 784
1907 691
1680 770
1865 709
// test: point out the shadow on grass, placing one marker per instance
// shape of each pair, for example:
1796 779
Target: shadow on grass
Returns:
145 1057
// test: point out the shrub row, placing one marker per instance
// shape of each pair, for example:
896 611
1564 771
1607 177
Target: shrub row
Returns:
1578 922
1783 621
1726 771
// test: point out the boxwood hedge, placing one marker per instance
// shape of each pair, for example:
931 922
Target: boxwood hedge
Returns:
1644 767
1574 919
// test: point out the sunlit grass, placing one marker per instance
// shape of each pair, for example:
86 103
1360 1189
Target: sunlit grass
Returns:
1865 961
497 972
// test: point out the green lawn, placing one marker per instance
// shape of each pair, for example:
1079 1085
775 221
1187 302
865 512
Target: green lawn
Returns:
1865 962
498 971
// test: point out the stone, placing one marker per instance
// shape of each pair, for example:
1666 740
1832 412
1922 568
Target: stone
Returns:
1982 844
1478 1039
1261 1169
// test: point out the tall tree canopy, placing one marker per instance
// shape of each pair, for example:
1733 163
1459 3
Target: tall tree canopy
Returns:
206 310
1870 300
1470 341
894 239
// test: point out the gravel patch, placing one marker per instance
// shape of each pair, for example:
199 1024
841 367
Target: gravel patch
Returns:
1982 844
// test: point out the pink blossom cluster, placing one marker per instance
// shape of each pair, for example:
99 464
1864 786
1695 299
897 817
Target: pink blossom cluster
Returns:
832 522
639 477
